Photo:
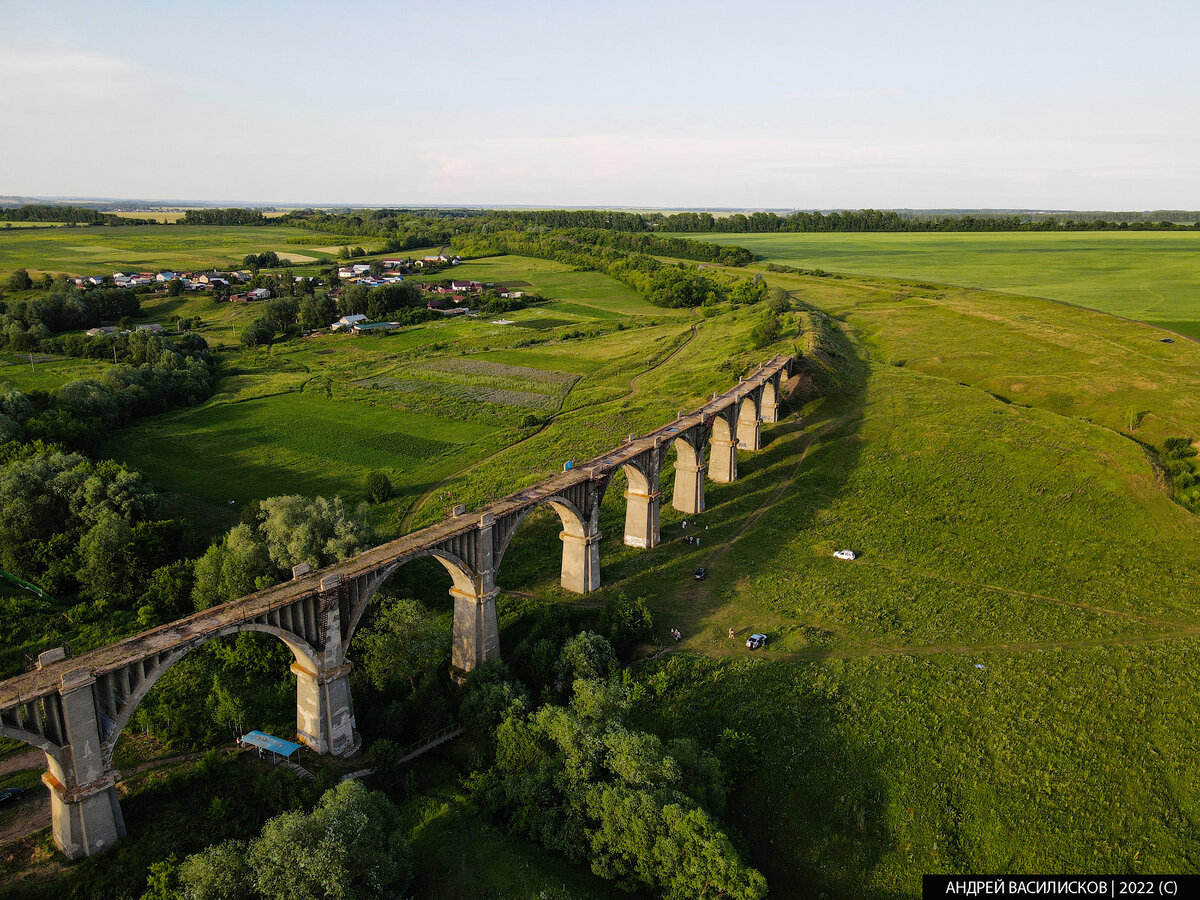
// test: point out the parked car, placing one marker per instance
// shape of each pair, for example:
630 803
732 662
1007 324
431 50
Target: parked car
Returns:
845 554
700 574
10 795
756 641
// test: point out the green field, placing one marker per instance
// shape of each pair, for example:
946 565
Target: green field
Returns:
99 250
316 415
1002 682
1150 276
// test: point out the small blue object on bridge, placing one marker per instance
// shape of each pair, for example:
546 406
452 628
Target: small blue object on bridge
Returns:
270 743
569 465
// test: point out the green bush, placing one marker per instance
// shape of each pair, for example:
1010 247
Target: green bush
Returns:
379 487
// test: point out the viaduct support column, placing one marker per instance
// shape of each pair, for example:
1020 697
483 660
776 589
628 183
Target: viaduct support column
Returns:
86 814
749 432
641 518
770 410
581 561
324 707
476 631
688 496
723 460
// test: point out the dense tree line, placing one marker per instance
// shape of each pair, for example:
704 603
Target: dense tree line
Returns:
661 283
872 220
580 780
232 216
62 308
159 376
75 215
352 846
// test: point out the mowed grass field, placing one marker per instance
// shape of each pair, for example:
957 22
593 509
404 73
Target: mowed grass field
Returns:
99 250
1150 276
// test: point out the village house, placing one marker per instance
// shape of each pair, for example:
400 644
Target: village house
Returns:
261 293
347 322
374 327
153 329
103 329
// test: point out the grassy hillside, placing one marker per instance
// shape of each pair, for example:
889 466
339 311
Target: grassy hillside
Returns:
1001 682
1149 276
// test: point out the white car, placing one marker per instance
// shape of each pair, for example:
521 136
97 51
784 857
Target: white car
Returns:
845 554
755 641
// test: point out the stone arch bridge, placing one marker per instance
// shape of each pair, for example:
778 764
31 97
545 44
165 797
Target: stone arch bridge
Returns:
75 708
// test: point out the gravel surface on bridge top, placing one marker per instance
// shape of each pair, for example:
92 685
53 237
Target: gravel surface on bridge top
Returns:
40 682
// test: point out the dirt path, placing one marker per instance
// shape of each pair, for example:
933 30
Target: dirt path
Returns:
33 811
30 759
32 815
419 503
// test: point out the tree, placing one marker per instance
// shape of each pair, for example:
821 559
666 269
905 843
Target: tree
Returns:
403 643
259 332
626 621
220 872
174 287
20 281
351 847
781 300
767 331
236 565
379 486
587 655
317 311
312 530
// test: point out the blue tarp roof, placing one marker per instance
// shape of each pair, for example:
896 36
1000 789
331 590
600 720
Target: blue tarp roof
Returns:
270 742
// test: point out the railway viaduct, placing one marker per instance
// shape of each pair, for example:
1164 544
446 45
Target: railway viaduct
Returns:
75 708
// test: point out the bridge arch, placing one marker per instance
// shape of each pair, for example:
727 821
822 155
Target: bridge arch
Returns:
465 582
580 538
687 495
749 424
33 739
306 657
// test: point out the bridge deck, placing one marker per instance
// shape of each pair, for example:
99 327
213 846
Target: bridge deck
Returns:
44 681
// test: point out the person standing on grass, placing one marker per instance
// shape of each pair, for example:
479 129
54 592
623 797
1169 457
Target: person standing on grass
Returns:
731 634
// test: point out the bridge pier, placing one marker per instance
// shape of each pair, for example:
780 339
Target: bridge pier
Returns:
86 814
749 426
688 496
476 630
325 710
770 411
324 707
580 561
722 459
641 518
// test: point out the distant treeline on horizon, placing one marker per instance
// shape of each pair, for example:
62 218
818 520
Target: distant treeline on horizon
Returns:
378 221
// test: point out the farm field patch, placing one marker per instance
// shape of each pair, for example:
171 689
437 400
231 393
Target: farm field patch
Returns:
293 443
1150 276
101 249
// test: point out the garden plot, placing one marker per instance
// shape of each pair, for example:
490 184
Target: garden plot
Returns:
480 381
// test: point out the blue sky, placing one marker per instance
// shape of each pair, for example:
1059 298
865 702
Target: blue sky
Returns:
1050 104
